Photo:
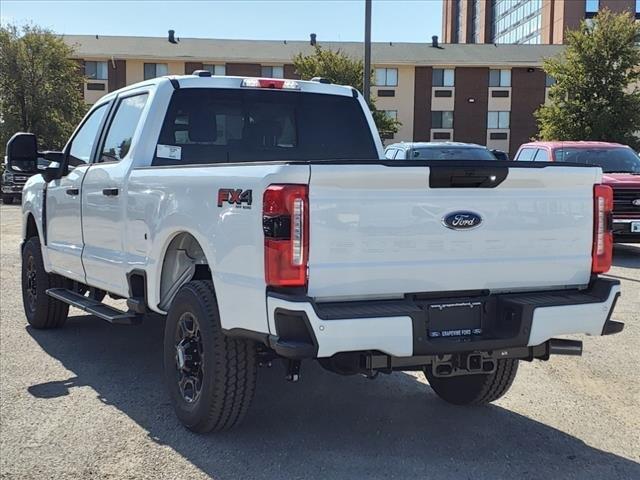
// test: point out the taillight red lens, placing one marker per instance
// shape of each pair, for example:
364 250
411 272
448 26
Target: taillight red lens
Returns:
602 254
285 216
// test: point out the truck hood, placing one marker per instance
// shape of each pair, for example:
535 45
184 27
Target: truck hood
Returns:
621 179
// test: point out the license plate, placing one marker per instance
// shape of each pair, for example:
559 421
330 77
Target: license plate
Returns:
461 319
635 227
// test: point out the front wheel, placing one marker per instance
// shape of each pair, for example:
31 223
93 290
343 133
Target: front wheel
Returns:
211 377
475 389
41 310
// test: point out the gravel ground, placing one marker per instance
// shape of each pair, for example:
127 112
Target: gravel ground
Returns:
88 402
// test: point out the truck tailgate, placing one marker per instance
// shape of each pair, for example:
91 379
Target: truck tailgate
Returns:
378 230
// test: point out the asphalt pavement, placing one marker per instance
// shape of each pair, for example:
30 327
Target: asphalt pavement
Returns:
88 401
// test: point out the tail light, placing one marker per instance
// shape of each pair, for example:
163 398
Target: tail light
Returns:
602 229
285 221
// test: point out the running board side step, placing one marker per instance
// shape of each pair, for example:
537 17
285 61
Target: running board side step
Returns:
99 309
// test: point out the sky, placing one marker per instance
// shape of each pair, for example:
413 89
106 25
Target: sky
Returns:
343 20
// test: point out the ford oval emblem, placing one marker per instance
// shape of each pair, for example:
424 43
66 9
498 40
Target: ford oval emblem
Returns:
462 220
636 202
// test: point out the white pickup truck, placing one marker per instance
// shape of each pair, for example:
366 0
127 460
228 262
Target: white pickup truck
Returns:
260 217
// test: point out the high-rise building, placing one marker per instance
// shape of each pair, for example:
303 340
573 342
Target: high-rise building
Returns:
521 21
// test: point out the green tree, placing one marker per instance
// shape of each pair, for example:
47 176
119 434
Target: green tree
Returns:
40 86
596 95
341 69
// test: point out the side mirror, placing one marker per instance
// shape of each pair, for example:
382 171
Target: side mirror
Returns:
500 155
51 171
22 152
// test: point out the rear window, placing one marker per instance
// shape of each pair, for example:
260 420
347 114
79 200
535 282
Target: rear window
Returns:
612 160
451 153
205 126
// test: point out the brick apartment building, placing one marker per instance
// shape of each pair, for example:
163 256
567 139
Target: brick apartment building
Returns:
484 94
521 21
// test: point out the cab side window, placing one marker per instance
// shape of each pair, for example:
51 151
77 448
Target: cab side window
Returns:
123 125
82 144
526 154
390 153
542 155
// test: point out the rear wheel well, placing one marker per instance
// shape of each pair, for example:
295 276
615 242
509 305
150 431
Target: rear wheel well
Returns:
183 261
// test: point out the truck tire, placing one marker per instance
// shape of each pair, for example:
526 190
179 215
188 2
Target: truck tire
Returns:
211 377
41 310
475 389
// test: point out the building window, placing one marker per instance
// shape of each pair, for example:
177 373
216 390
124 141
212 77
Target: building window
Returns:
516 21
591 6
498 120
443 77
391 114
96 70
459 21
441 119
153 70
475 22
442 93
276 71
499 78
549 81
387 77
218 70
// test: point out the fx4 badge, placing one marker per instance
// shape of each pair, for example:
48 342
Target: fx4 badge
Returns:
234 196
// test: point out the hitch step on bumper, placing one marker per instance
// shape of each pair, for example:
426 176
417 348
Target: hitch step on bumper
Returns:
472 362
99 309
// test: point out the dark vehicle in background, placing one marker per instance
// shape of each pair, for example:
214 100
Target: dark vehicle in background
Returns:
621 168
437 151
13 180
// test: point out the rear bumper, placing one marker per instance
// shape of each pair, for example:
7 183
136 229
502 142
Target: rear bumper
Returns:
401 328
622 230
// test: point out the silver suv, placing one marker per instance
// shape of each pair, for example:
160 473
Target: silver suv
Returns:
439 151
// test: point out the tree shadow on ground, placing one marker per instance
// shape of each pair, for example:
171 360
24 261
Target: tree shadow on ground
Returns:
324 426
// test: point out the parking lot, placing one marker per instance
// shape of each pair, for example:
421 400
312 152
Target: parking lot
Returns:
88 401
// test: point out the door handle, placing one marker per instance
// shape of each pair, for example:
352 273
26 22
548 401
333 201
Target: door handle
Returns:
72 191
110 192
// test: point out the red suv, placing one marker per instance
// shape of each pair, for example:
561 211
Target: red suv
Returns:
621 167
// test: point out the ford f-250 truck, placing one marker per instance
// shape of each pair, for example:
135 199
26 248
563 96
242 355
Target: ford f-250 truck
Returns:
260 217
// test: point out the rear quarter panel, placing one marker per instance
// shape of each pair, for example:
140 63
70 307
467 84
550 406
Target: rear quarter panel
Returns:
163 202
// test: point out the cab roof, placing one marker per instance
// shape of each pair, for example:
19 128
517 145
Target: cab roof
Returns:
216 81
573 144
410 145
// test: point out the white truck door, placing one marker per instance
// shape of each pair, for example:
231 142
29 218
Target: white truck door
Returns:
103 201
64 230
